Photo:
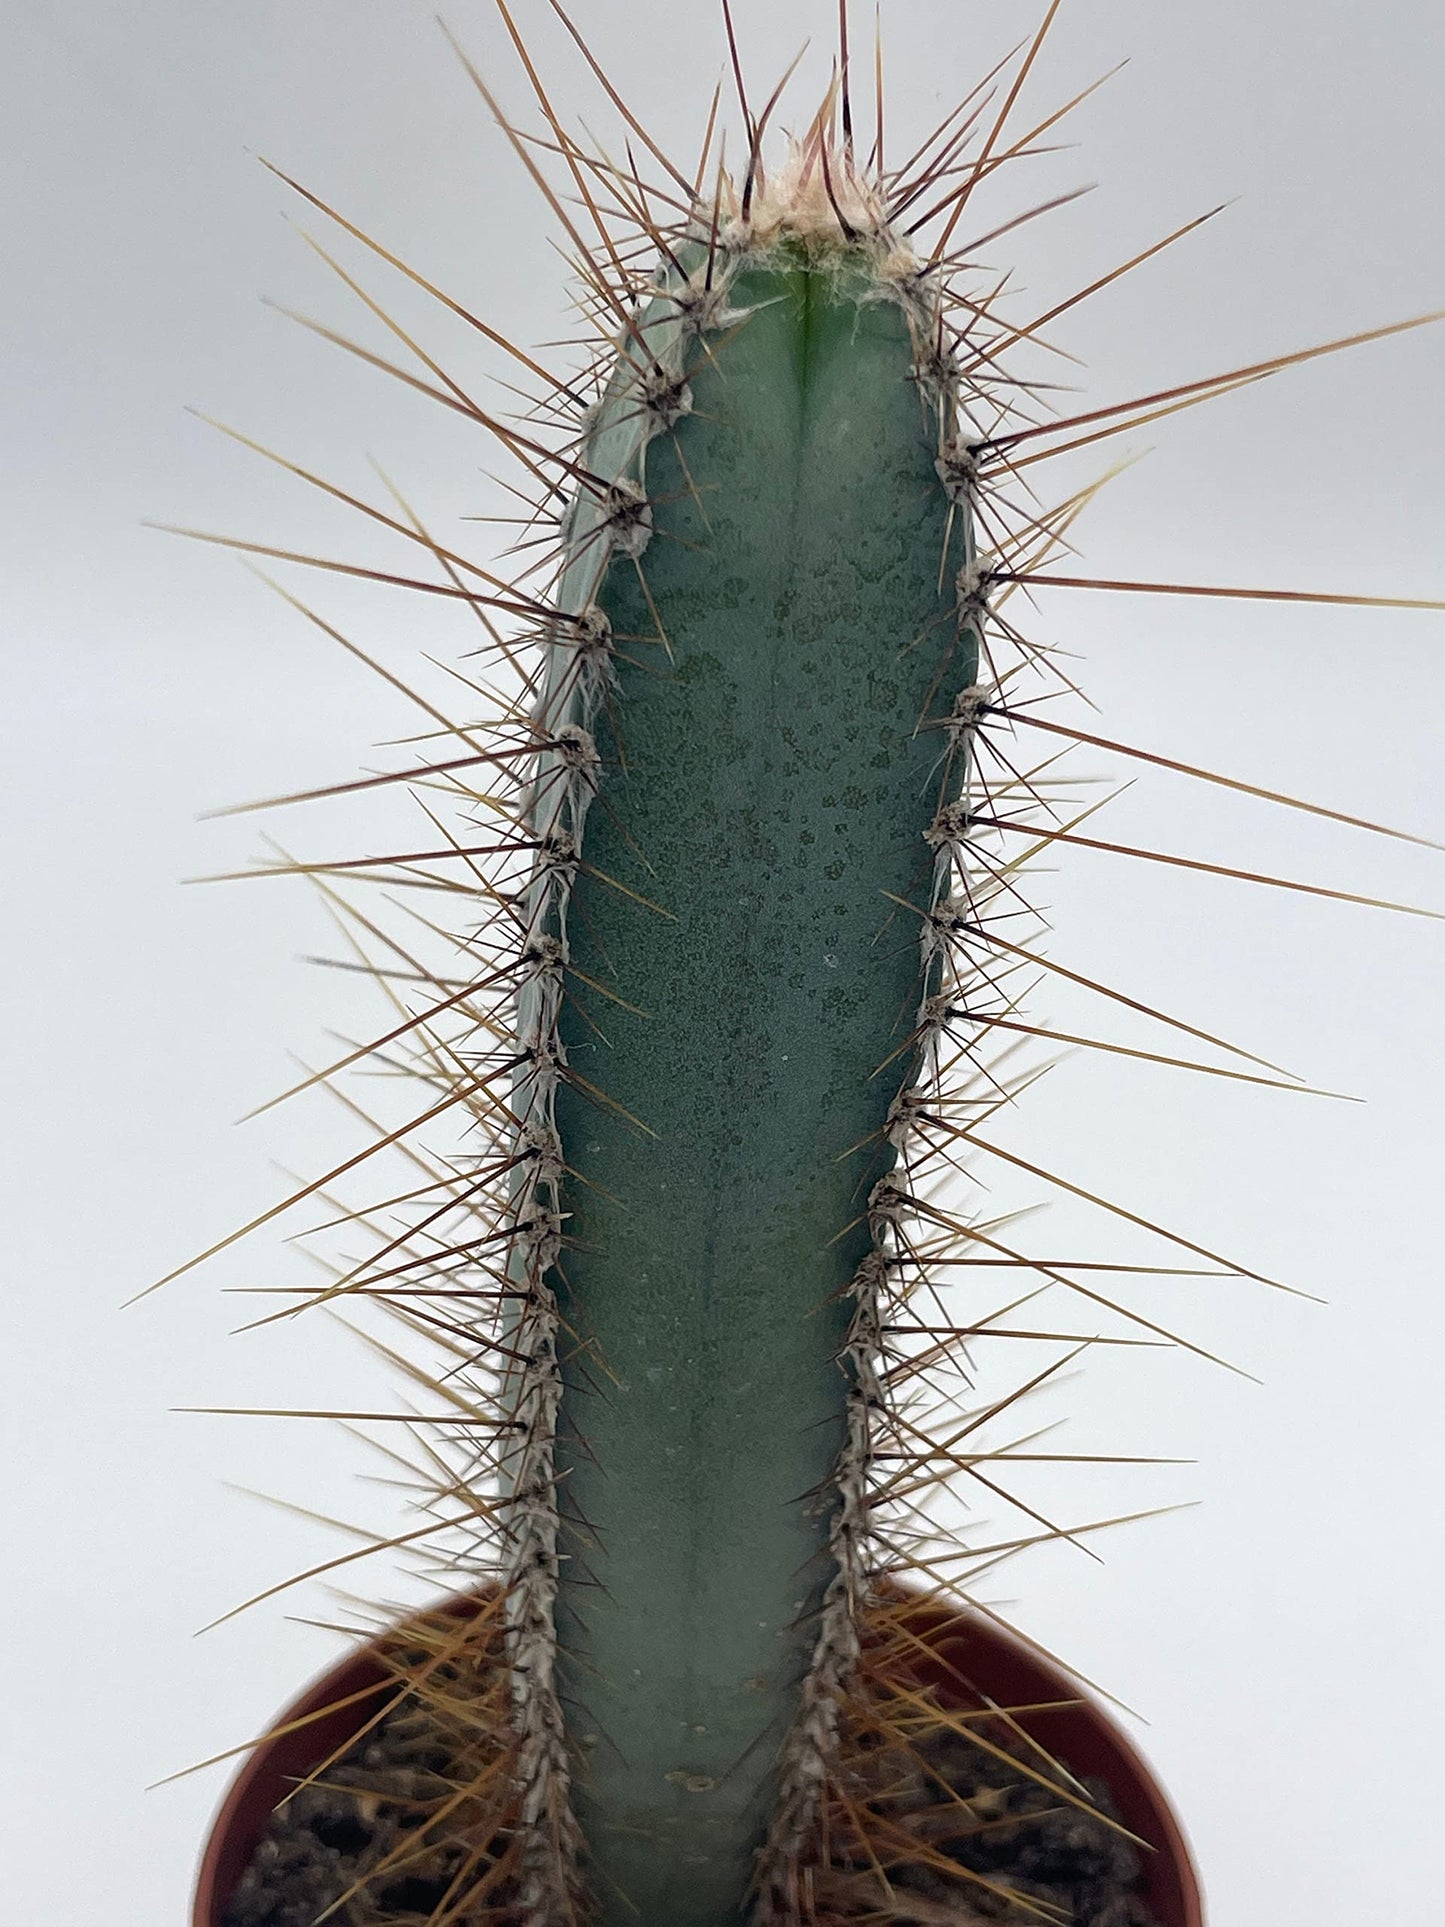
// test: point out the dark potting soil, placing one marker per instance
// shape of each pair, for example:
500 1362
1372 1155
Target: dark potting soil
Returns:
1049 1844
335 1832
1013 1834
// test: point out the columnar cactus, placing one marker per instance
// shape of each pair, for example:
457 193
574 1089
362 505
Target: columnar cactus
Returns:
748 902
760 638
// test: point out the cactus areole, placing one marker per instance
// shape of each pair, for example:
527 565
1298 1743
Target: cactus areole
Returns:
752 744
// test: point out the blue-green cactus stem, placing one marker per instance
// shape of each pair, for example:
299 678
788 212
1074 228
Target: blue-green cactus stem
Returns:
763 790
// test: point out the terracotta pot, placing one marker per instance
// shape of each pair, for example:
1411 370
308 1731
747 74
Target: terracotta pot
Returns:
964 1655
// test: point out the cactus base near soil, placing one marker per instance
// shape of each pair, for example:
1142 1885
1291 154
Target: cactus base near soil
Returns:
976 1820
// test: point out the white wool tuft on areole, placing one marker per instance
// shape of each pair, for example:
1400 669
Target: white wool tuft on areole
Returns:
817 195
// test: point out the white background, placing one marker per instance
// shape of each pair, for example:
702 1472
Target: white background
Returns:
1281 1638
